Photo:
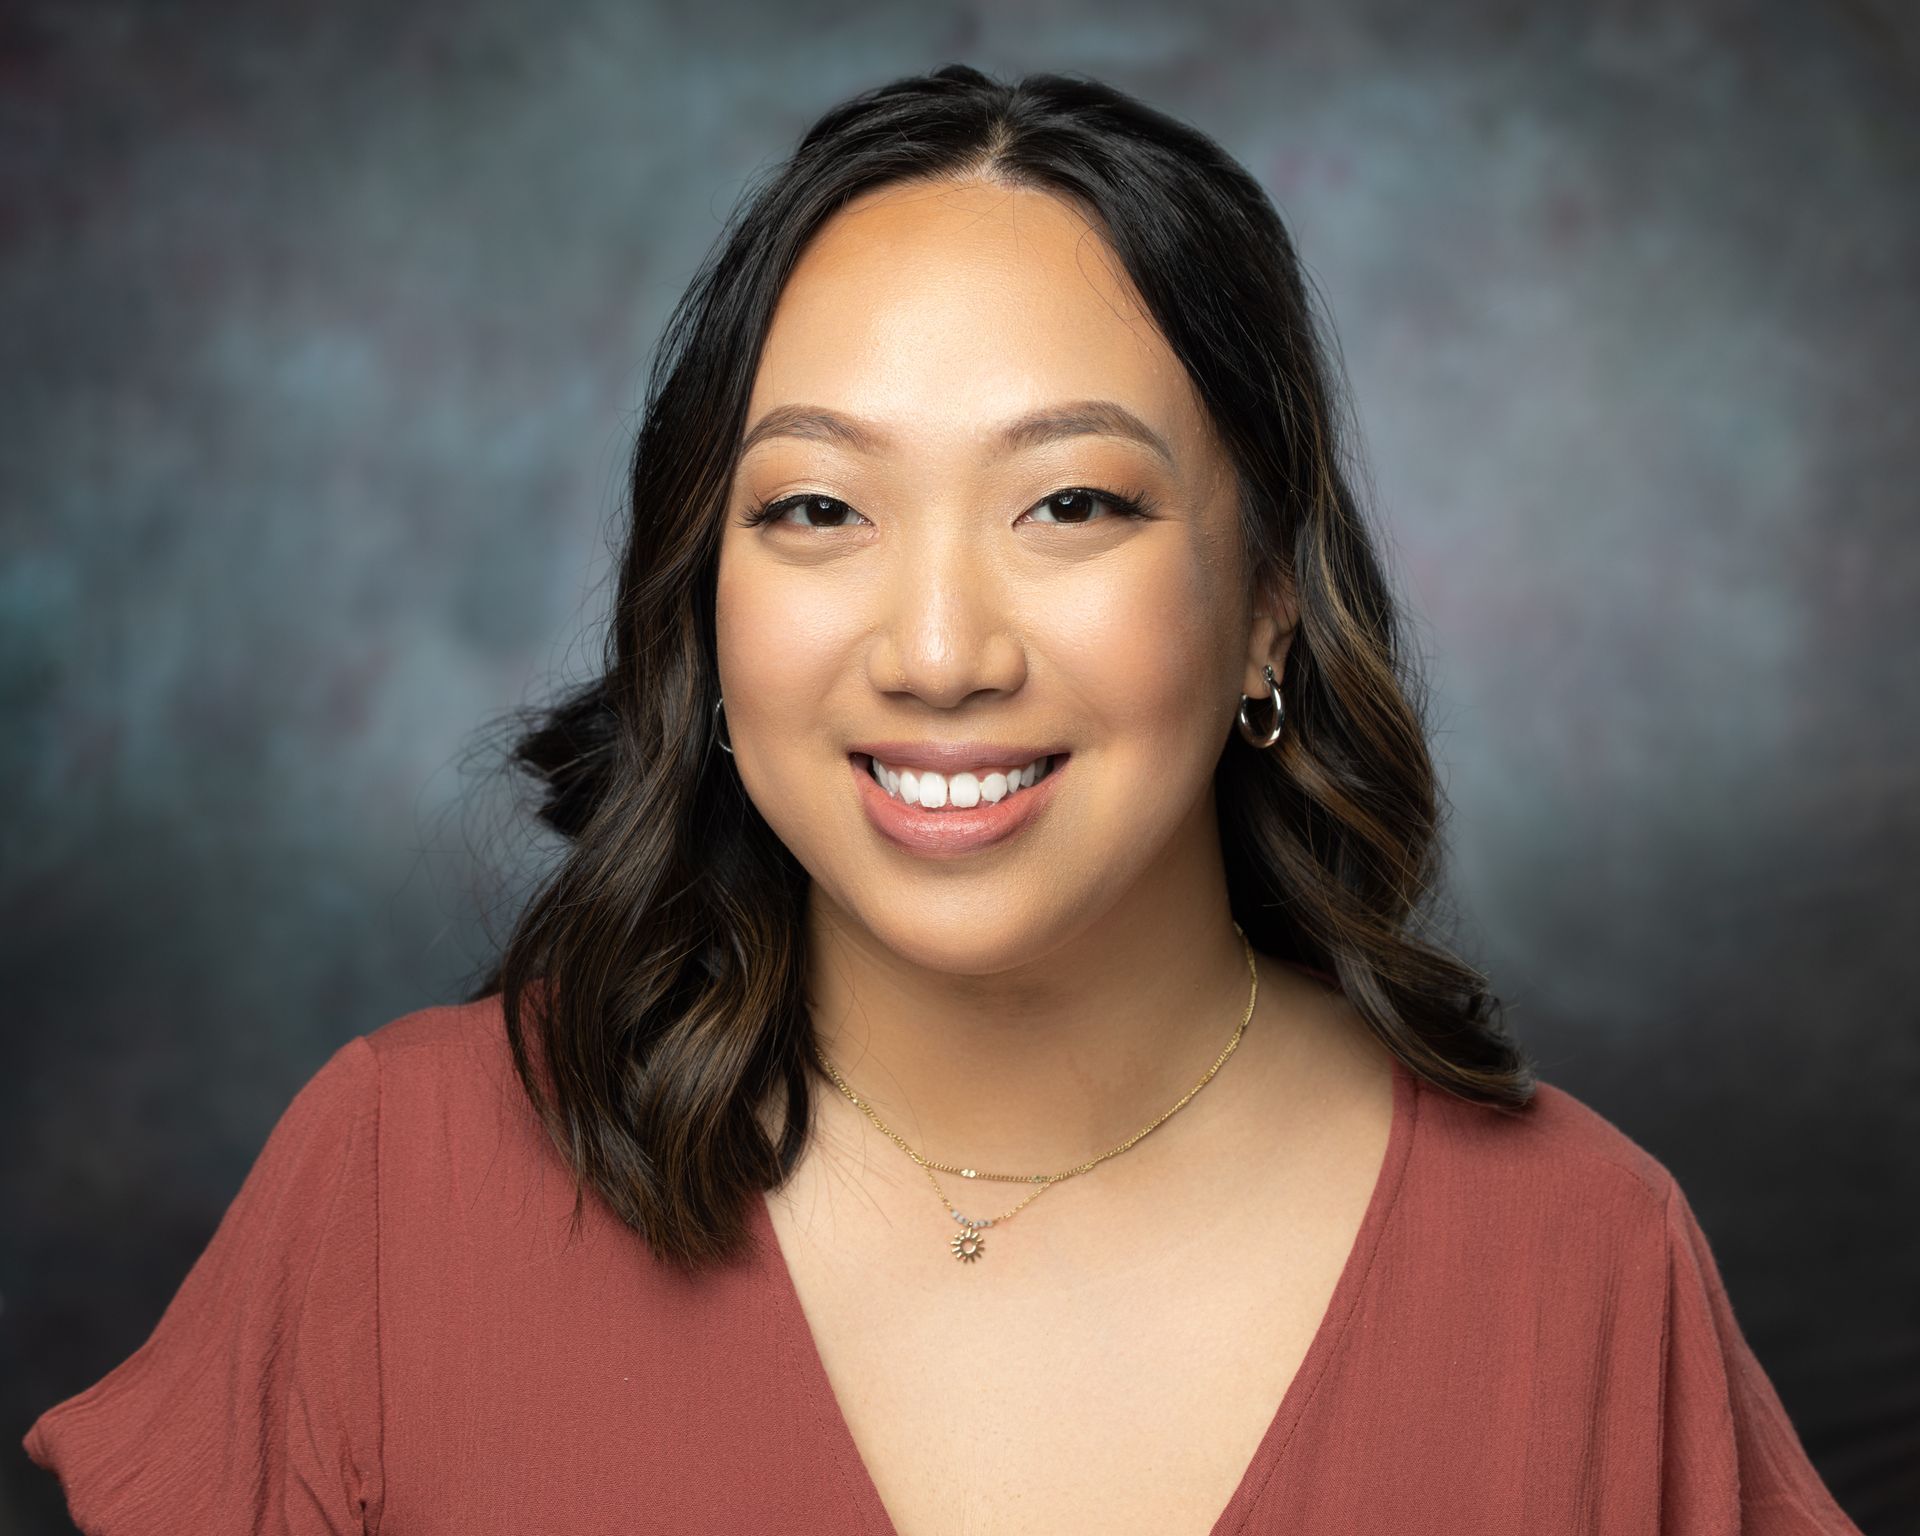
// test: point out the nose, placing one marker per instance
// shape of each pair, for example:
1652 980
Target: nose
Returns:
948 626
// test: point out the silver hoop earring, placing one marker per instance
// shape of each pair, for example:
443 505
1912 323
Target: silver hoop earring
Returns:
717 722
1279 711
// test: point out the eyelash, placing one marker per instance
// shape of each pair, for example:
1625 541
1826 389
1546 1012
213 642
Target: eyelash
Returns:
1136 505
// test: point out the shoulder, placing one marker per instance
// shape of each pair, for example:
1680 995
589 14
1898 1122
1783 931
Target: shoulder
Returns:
1556 1147
450 1097
1557 1169
477 1028
442 1050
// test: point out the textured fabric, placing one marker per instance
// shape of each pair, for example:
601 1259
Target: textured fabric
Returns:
393 1331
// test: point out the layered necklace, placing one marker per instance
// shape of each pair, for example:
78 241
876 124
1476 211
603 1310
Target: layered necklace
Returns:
967 1245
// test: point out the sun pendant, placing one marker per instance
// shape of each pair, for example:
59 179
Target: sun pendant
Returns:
967 1245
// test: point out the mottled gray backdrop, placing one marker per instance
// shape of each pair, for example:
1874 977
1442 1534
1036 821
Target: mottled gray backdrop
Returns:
323 329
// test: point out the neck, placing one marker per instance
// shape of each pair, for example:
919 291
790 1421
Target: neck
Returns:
1038 1065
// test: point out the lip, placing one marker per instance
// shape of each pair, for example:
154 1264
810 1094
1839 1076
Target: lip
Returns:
950 834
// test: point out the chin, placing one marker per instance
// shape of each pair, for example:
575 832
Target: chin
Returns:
960 938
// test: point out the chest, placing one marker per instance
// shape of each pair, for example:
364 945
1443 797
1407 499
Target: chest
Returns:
1082 1375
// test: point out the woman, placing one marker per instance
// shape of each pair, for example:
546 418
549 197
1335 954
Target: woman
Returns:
1005 784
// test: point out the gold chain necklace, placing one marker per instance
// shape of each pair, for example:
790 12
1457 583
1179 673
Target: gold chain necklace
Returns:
967 1244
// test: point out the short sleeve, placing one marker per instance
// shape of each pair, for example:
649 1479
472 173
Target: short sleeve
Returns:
254 1406
1731 1460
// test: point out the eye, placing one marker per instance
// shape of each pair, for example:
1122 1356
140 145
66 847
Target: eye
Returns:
776 511
1075 506
1068 508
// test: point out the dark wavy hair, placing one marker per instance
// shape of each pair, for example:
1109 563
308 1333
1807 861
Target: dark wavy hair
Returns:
653 986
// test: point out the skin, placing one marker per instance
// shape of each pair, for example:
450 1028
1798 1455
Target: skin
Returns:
1030 1006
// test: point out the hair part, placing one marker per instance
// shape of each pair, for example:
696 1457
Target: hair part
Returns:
653 987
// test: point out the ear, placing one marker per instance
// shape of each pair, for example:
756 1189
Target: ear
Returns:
1276 616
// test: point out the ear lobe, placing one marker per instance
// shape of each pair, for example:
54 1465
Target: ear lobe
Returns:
1276 619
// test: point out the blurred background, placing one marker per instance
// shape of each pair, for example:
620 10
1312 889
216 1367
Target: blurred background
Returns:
323 331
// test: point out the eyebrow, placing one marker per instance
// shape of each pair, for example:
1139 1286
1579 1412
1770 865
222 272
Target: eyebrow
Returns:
1078 418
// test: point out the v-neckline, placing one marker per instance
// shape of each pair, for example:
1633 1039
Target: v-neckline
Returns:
795 1334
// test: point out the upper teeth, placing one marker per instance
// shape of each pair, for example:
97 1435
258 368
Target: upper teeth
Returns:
922 786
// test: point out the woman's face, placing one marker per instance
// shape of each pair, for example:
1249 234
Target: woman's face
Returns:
936 584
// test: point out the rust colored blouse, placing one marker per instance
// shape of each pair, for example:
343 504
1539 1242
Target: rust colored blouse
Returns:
391 1331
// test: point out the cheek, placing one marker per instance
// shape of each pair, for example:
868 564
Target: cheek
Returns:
1149 661
777 635
782 645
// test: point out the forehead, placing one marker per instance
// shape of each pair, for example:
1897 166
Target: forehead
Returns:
943 311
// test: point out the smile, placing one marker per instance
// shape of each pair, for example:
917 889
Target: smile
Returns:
962 791
942 816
